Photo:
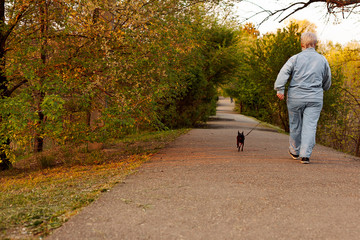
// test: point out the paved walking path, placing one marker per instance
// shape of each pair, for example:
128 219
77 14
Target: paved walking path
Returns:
200 187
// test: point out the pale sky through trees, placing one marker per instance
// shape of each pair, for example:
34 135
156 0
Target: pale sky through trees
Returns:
343 32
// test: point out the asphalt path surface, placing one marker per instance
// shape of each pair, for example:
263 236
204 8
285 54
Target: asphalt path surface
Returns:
201 187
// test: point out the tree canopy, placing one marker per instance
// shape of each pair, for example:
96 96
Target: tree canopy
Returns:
76 72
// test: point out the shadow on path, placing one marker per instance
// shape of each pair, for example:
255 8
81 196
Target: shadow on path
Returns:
200 187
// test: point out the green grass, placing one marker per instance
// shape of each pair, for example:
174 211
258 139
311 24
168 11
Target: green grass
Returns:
33 202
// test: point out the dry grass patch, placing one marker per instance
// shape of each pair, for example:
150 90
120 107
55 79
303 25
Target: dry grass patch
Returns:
34 201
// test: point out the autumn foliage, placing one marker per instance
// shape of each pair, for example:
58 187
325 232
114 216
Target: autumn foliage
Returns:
75 71
261 60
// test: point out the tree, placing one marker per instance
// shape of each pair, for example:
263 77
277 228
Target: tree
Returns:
83 71
304 25
11 14
213 62
261 63
339 125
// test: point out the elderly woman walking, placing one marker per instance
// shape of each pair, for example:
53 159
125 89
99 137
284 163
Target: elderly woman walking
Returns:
310 75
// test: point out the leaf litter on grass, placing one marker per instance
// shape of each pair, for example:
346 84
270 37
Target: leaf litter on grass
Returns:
34 201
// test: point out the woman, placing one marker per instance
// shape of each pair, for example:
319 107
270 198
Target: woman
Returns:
310 75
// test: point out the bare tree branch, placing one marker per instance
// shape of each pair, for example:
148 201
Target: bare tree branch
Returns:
10 91
333 7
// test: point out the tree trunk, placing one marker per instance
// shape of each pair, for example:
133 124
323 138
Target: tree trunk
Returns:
283 119
5 162
39 94
357 150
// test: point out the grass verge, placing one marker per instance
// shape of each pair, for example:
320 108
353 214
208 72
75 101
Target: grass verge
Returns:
35 201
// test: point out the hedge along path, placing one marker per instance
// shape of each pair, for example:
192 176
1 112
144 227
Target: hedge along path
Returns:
201 187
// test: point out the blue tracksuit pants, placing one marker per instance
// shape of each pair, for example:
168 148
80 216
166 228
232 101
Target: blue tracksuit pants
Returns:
303 118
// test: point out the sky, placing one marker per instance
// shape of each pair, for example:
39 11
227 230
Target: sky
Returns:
345 31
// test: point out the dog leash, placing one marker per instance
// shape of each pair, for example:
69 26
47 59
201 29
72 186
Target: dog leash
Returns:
253 128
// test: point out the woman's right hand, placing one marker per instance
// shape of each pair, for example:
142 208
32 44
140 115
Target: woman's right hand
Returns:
280 96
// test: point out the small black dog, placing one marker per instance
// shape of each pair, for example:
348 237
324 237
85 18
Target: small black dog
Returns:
240 140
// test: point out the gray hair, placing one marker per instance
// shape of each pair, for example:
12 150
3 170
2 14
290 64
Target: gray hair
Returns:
308 39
